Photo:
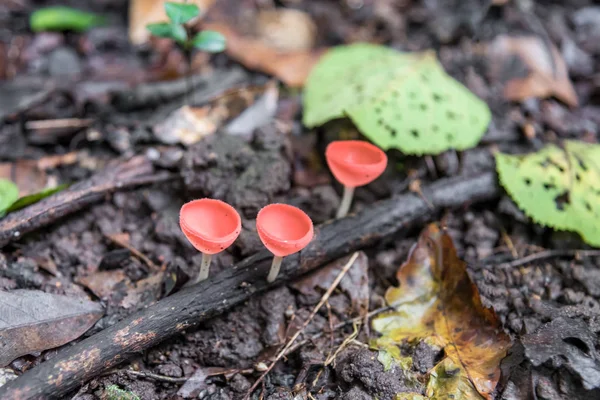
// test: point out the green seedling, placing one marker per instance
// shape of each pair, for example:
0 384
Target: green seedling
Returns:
557 187
9 193
177 29
60 18
398 100
10 200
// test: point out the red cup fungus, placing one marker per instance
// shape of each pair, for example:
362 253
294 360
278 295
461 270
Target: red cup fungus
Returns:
284 230
354 163
211 226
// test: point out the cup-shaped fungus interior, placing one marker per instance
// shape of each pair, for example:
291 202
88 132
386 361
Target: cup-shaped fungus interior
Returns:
284 229
355 162
210 225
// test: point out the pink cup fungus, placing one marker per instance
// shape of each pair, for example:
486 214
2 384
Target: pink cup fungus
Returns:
284 230
354 163
211 226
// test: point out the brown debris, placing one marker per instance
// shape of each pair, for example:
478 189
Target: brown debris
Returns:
547 71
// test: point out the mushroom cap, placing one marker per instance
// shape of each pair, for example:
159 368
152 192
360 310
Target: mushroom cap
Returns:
284 229
210 225
355 162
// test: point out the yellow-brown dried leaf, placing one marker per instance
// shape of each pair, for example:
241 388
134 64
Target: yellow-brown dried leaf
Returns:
436 299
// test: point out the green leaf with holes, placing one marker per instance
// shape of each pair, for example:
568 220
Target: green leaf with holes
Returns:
557 187
398 100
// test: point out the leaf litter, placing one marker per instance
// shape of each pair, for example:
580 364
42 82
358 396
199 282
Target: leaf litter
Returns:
32 321
547 74
437 301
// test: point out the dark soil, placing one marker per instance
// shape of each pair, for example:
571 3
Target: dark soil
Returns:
554 300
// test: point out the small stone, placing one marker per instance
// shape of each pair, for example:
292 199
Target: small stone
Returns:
63 62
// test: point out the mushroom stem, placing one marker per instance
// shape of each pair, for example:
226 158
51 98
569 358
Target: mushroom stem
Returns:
346 202
274 268
204 267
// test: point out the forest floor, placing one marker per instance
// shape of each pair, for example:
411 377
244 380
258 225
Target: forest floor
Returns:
85 81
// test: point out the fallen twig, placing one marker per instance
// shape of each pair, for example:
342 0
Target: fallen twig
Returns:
76 364
118 240
339 326
314 312
155 377
542 255
134 172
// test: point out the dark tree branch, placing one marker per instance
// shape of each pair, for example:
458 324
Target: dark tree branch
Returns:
191 306
134 172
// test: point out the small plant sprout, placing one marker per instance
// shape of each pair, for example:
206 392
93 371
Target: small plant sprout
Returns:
354 163
284 230
211 226
176 29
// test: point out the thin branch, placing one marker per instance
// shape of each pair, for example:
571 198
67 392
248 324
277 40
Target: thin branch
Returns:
117 240
314 312
542 255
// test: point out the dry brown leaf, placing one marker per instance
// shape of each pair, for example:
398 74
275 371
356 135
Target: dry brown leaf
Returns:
102 283
146 291
144 12
33 321
547 73
291 67
437 300
286 29
26 174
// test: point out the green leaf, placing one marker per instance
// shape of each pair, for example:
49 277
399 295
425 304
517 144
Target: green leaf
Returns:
556 187
9 192
179 34
209 41
166 30
60 18
161 29
398 100
35 197
180 13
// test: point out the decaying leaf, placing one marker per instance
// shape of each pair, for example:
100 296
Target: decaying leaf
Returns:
32 321
398 100
567 342
102 283
557 187
292 66
547 73
286 29
144 12
355 283
437 300
188 125
389 354
448 380
144 292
